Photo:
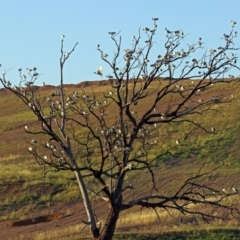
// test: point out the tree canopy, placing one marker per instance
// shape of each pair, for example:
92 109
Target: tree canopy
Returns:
105 136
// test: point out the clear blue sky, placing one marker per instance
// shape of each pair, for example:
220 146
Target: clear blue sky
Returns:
31 30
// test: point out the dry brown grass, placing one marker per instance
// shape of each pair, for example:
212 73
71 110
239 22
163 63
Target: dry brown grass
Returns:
20 175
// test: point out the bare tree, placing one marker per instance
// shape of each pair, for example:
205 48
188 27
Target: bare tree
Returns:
81 133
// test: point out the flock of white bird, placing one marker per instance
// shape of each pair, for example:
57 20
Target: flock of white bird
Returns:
128 52
178 32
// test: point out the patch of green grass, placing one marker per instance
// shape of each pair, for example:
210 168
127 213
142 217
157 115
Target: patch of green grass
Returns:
213 234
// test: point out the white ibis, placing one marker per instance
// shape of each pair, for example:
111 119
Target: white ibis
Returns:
183 53
133 112
168 31
212 51
195 61
225 35
99 71
213 129
128 149
130 166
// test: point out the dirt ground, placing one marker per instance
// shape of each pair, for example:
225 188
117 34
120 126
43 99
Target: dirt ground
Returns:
32 227
62 216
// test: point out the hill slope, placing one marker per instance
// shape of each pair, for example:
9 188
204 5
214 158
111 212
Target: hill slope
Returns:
25 193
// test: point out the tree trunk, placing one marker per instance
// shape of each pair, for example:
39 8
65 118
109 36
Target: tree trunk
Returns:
110 225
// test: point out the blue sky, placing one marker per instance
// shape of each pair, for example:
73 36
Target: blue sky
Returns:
31 30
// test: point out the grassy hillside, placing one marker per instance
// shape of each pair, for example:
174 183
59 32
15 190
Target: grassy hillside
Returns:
24 191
